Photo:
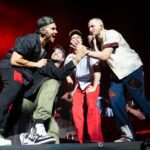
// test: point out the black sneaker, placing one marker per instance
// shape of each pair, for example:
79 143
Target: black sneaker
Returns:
36 136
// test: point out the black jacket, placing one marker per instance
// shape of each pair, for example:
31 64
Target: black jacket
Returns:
29 47
48 71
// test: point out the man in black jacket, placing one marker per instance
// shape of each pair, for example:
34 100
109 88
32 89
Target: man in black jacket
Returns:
42 94
17 68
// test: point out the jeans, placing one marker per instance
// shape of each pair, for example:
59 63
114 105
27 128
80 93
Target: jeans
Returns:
134 84
12 87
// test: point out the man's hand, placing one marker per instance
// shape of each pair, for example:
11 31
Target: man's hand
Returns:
74 43
90 89
41 63
67 97
81 51
90 39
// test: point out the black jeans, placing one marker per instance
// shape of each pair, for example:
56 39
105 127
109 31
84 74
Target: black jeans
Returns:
12 86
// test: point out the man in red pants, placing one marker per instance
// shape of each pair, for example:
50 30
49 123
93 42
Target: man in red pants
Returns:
86 88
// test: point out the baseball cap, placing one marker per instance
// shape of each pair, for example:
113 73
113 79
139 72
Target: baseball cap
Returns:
75 31
44 21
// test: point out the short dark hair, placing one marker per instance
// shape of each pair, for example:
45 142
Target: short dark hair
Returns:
44 21
60 48
75 31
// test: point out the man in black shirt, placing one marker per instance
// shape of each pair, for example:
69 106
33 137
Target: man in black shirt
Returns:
40 97
17 68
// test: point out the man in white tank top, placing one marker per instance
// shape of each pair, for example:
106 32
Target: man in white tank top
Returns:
127 72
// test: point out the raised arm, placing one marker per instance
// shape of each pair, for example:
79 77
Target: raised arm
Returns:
18 60
102 55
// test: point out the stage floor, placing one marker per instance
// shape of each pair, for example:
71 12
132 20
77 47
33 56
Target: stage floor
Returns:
87 146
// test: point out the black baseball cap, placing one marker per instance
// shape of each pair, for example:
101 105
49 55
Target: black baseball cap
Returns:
44 21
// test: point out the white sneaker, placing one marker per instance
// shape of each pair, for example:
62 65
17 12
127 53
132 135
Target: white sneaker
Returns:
4 142
123 139
40 129
126 132
36 136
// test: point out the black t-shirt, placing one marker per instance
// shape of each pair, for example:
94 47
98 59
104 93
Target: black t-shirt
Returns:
29 47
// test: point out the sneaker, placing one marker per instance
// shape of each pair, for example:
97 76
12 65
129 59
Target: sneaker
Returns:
126 132
36 136
4 142
123 139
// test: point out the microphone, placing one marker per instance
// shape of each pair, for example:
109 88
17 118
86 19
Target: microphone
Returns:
93 42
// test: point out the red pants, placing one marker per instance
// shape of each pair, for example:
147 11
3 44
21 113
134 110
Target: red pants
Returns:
93 115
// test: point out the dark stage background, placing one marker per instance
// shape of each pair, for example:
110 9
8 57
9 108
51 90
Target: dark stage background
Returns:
129 17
